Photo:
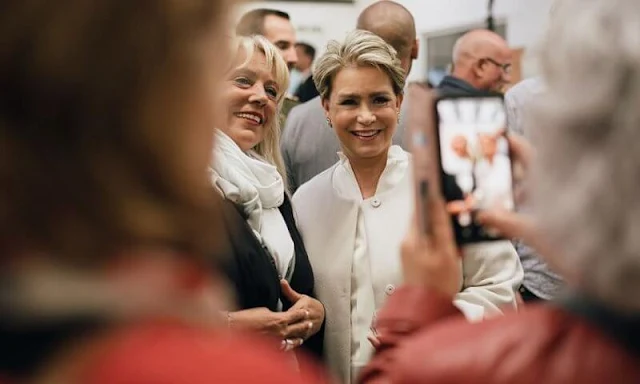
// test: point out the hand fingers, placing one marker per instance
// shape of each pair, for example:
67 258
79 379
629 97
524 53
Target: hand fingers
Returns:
303 329
374 341
295 315
510 224
288 292
421 131
432 218
290 344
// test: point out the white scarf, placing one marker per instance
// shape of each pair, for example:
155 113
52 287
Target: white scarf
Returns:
256 186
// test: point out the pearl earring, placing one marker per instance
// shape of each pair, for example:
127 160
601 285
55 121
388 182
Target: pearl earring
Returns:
329 122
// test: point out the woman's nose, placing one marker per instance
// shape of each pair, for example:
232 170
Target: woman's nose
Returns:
365 117
259 96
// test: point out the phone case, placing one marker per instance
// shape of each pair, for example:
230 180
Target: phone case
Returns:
474 161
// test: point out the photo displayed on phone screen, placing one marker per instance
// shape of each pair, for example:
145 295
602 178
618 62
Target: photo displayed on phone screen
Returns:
475 162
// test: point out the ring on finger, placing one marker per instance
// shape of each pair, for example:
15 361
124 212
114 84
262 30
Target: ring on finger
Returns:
309 328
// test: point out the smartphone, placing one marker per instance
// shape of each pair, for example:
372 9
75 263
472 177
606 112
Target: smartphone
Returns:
474 160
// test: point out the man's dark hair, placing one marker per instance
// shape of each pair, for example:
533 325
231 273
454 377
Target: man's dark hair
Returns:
307 49
252 22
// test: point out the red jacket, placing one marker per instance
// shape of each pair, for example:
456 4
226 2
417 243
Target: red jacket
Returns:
425 339
177 354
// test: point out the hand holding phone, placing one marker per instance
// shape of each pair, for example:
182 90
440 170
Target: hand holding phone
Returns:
474 161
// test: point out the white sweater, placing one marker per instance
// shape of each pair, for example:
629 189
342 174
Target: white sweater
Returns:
330 219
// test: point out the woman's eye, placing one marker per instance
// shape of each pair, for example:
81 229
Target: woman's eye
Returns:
243 81
348 102
380 100
272 92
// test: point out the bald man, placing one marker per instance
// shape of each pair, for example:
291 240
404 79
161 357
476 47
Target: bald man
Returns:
481 64
309 145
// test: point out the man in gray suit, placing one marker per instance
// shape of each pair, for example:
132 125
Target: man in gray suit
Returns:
309 145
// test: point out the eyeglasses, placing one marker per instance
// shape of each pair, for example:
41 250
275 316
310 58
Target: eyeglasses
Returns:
506 68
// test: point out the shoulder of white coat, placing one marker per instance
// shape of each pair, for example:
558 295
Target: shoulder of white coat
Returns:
312 189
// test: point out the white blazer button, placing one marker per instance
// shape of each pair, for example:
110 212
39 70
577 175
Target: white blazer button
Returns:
389 289
375 203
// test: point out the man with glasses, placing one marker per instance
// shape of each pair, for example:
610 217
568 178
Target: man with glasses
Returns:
481 64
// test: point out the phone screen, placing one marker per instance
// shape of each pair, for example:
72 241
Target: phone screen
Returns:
475 163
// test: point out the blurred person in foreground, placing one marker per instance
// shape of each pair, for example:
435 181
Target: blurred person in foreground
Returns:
106 210
354 215
585 222
309 145
269 268
540 281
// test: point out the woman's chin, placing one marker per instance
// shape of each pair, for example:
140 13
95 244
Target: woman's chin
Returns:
369 153
247 142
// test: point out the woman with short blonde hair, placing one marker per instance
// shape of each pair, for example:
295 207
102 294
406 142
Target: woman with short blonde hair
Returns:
353 216
361 48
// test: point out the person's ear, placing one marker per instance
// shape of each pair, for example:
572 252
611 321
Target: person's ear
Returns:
478 68
399 100
415 48
325 106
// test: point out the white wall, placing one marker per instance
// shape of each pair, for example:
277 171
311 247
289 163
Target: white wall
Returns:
526 20
318 22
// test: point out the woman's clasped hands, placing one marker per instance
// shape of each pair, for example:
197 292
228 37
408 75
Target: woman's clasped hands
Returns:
293 326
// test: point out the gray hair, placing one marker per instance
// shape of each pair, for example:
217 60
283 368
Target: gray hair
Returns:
360 48
587 182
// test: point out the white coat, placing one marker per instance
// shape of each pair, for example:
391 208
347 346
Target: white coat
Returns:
327 221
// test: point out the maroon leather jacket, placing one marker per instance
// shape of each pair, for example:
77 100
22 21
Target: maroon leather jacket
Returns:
425 339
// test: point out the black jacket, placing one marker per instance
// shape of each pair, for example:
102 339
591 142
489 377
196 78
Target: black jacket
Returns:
250 268
307 90
452 86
